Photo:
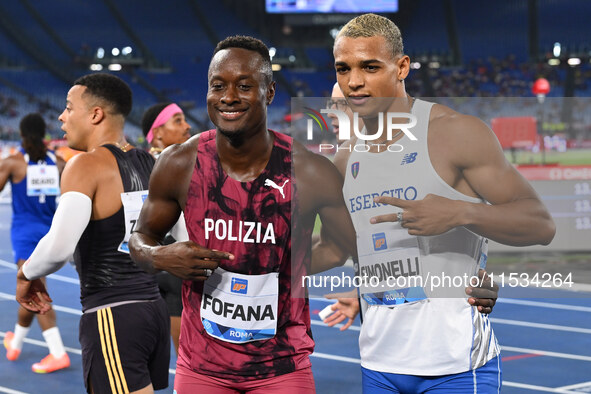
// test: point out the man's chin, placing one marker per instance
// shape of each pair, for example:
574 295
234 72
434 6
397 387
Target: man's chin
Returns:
235 136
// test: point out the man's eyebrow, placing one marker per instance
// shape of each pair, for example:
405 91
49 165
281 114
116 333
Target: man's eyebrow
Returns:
362 62
369 61
239 77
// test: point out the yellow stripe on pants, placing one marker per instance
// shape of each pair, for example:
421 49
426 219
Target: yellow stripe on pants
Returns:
116 351
99 316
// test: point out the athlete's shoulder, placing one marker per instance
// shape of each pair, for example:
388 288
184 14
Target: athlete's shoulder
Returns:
88 160
312 167
303 157
14 160
282 138
176 157
453 124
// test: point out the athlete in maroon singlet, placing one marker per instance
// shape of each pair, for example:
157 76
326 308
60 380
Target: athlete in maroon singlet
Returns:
244 328
238 216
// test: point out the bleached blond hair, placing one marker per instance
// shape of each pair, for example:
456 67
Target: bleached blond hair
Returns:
371 25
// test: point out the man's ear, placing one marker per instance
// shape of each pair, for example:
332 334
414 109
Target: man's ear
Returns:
97 115
403 67
270 92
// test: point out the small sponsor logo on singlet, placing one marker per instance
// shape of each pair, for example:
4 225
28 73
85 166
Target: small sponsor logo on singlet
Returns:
409 158
379 241
269 182
355 169
247 232
239 286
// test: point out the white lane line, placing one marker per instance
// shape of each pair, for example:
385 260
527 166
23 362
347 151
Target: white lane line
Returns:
322 324
576 386
68 349
546 353
43 344
541 304
496 321
541 325
10 391
6 264
516 301
61 278
65 309
7 296
336 358
72 311
536 388
66 279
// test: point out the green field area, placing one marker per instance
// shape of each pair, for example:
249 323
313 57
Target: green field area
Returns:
570 157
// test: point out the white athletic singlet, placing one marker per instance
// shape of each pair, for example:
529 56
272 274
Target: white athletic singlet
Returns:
414 330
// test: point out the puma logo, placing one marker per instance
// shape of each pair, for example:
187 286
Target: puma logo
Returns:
269 182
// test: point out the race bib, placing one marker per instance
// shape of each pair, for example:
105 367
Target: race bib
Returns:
132 205
240 308
391 271
43 180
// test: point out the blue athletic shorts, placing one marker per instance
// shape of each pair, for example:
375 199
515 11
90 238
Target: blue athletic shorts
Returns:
25 238
486 379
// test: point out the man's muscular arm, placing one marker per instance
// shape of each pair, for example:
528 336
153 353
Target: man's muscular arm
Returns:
58 244
167 195
320 190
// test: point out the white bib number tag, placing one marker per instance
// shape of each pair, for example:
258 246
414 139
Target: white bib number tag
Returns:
390 270
132 205
240 308
43 179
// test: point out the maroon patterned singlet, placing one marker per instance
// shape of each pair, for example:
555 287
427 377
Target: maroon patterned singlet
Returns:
256 222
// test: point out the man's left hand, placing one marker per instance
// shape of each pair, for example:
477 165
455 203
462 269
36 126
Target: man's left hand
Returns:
485 294
32 294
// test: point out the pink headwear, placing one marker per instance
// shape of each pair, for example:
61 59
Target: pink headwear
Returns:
162 118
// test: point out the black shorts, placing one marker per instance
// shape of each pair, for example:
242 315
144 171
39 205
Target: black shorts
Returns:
127 347
171 290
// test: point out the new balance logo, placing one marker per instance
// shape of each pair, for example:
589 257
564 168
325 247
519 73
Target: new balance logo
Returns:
409 158
269 182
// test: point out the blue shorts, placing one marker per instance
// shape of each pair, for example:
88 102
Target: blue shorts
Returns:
25 238
486 379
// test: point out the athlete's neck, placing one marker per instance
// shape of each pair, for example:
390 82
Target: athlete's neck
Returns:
402 105
246 161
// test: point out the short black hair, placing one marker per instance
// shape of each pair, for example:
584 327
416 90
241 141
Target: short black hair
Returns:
109 88
32 128
150 116
251 44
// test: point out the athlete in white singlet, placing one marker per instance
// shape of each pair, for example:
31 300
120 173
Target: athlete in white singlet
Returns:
419 211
